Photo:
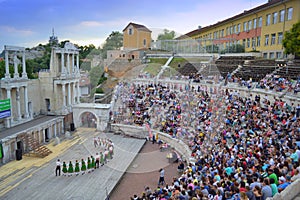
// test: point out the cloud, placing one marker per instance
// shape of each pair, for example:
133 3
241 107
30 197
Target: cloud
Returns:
13 30
90 24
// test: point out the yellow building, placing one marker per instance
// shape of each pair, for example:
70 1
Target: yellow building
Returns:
136 36
259 29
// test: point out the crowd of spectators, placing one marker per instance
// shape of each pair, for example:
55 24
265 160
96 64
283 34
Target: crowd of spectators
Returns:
243 147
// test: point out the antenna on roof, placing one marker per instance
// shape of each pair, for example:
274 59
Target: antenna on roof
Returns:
52 31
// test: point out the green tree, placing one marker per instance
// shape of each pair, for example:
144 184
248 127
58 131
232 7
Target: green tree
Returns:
95 75
113 42
291 40
2 68
167 35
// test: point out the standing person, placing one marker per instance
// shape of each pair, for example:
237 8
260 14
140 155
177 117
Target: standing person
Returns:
93 163
97 157
161 177
77 169
64 169
89 164
95 142
83 166
71 168
101 159
58 167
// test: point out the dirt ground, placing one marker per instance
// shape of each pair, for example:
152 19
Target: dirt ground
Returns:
144 172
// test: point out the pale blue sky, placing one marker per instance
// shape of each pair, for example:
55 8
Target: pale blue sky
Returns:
29 22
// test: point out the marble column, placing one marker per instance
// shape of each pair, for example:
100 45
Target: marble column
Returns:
18 103
24 74
26 102
7 74
77 61
16 73
73 93
8 119
62 63
78 93
69 94
72 66
55 131
68 63
64 95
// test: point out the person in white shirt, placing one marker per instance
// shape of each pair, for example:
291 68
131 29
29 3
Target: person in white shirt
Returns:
58 167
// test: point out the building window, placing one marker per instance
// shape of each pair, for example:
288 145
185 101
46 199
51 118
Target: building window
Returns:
239 28
130 31
280 35
234 29
227 32
144 42
254 23
290 14
273 38
281 17
272 55
245 26
231 29
266 40
278 55
268 20
248 42
258 41
244 42
250 25
265 55
253 43
275 16
259 21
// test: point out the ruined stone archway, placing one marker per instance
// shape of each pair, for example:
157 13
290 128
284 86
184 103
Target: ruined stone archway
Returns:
88 120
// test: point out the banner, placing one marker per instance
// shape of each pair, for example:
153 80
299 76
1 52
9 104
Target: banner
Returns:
5 108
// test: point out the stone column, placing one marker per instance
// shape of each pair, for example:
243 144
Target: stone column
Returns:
26 102
73 93
18 103
62 63
8 119
69 94
64 95
77 61
68 63
16 73
54 127
24 74
73 66
7 74
78 93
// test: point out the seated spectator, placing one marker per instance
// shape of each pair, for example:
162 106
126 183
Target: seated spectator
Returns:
283 183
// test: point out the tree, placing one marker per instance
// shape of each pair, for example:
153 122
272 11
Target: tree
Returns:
167 35
291 41
95 75
113 42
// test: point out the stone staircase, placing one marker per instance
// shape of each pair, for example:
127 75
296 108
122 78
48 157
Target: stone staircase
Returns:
35 148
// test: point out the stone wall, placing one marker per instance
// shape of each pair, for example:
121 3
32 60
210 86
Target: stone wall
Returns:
291 192
141 132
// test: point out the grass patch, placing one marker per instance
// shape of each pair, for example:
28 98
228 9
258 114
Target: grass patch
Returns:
152 68
160 61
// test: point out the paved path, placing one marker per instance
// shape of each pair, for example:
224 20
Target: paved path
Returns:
34 178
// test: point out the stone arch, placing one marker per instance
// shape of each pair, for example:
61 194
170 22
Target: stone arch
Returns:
88 118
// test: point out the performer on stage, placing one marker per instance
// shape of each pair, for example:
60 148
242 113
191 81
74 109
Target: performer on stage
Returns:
77 169
83 166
